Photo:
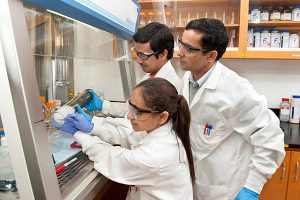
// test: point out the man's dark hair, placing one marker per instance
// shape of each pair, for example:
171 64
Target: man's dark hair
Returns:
159 36
214 34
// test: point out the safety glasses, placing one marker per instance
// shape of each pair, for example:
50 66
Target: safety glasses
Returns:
144 56
138 112
188 48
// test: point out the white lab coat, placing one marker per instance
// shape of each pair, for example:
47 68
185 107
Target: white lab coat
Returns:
167 72
245 145
154 166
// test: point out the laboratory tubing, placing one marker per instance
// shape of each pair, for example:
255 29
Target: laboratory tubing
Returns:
255 15
275 39
294 40
285 38
265 38
285 105
296 13
256 39
264 15
295 109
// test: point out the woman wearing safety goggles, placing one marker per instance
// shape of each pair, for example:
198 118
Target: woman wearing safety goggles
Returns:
154 154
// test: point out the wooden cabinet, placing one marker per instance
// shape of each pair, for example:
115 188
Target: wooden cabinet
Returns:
234 13
285 183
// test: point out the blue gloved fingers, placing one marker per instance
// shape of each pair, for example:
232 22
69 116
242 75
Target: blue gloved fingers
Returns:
246 194
80 111
68 127
95 103
80 122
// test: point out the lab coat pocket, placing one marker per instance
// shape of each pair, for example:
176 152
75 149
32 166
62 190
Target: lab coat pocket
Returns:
210 192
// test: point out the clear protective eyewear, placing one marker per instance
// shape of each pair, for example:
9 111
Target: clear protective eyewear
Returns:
188 48
137 112
144 56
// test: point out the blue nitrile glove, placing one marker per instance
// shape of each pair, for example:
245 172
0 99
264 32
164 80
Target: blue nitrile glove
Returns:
67 127
80 122
95 103
246 194
80 111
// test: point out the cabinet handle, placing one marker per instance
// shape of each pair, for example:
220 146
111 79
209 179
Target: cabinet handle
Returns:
296 55
297 171
283 171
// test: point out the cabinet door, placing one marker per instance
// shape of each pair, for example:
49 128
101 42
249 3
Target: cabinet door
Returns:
276 187
294 179
177 13
273 31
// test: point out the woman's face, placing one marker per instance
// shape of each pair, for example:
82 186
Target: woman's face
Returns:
138 116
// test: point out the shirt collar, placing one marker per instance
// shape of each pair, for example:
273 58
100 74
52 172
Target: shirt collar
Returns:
163 70
202 80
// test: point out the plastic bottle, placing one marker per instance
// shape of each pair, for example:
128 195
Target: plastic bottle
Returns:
255 15
275 15
51 109
250 38
142 19
284 114
286 15
275 39
296 13
285 38
265 38
294 40
264 15
295 109
256 39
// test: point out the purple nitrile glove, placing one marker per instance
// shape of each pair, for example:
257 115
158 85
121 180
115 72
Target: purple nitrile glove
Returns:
67 127
246 194
80 111
95 103
80 122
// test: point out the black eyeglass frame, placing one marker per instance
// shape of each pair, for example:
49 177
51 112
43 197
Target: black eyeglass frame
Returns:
141 110
141 54
190 48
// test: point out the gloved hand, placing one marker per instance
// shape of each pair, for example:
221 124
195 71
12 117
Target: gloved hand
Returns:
80 122
95 103
67 127
80 111
246 194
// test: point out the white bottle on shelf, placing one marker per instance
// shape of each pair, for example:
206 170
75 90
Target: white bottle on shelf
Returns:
275 39
294 40
265 38
285 39
250 38
256 39
255 15
296 14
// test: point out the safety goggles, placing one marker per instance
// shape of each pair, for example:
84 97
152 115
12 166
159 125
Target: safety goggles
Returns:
144 56
188 48
138 112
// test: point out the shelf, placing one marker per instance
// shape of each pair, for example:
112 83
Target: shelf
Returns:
148 4
295 24
274 2
229 26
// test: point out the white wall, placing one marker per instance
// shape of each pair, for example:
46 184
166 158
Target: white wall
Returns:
272 78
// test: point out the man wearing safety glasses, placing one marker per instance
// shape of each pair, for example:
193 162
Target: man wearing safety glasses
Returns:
237 141
154 47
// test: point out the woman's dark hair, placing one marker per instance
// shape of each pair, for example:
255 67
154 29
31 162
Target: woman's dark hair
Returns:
159 94
214 34
159 36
